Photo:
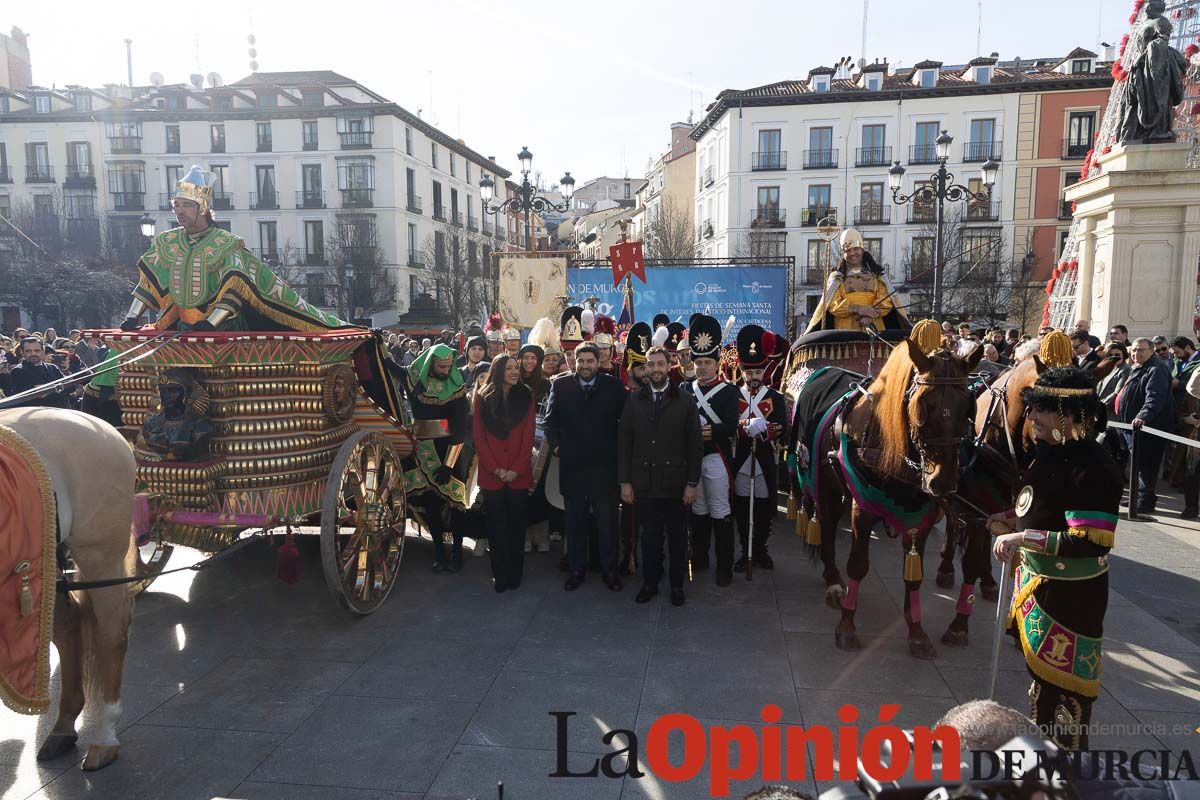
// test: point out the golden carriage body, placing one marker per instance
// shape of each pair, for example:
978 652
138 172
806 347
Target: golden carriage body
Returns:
296 439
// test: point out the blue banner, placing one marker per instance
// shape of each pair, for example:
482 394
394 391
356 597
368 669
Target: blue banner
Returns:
752 294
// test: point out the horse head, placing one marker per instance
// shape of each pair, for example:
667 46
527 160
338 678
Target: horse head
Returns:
939 407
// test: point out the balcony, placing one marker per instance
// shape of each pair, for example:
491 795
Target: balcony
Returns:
981 151
267 255
919 272
873 157
922 213
218 146
814 275
264 146
6 174
439 213
810 216
80 176
981 212
264 201
83 230
1066 210
414 258
314 257
922 154
768 160
356 140
488 228
222 201
309 145
708 176
820 159
310 198
768 218
1074 150
706 230
472 224
39 173
357 198
129 201
414 204
124 145
873 214
456 218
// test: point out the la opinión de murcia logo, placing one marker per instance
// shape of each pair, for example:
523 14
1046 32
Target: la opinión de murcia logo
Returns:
884 752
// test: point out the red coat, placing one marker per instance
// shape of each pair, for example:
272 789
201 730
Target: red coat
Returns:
514 452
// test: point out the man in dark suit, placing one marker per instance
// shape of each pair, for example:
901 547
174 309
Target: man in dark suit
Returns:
32 372
582 413
1146 401
1086 357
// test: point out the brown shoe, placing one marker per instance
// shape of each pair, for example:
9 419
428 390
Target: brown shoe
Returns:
574 582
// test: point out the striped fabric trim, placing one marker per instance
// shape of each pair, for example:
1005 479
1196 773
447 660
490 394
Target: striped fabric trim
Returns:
1091 519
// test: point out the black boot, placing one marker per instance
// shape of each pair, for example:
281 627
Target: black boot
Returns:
764 516
1191 497
723 544
702 528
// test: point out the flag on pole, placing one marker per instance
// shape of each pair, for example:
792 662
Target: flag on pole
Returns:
625 321
627 260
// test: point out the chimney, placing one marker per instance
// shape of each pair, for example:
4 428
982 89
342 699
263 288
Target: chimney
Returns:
1109 51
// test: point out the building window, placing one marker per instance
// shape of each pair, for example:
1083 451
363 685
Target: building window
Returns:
42 103
874 151
79 161
268 100
433 155
314 242
818 259
312 99
983 75
627 187
124 137
981 140
414 250
127 183
1081 126
37 163
309 134
821 83
1062 245
925 143
874 246
468 163
267 241
928 78
83 101
314 288
439 212
264 183
408 140
818 202
223 102
1081 65
79 205
874 82
453 166
217 137
172 132
171 173
263 136
355 131
3 104
920 261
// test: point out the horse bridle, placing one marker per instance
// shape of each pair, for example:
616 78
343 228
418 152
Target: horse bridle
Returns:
922 444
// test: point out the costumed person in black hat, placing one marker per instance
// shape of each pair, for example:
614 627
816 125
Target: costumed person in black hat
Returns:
437 393
1065 524
717 401
570 326
857 294
637 342
761 424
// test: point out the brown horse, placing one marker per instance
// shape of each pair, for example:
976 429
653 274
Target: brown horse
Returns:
92 471
897 444
1003 450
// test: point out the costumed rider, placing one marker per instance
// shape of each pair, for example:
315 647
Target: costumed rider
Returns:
717 401
762 423
493 330
1063 525
202 278
437 394
857 294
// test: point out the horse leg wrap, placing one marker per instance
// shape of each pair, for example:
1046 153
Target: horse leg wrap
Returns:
914 606
966 599
850 601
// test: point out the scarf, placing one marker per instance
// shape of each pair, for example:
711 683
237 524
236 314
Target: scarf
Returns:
440 388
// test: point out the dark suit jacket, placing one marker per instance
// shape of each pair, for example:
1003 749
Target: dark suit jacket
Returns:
1147 396
584 430
660 452
24 376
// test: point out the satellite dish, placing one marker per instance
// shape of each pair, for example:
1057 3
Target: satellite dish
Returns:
156 79
250 39
214 79
254 66
197 80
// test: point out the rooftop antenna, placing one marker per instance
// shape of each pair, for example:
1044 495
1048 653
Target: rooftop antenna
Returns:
129 59
866 4
979 31
252 51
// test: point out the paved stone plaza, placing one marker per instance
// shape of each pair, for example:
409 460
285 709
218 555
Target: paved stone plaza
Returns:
239 686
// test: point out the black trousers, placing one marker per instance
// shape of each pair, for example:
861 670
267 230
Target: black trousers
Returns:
658 517
764 516
1148 453
592 499
434 509
506 517
1063 716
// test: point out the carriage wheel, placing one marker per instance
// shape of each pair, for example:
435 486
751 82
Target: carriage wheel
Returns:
362 522
152 558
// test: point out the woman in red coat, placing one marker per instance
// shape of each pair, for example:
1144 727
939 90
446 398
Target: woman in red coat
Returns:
503 431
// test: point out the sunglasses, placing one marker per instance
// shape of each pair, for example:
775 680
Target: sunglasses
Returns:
1160 350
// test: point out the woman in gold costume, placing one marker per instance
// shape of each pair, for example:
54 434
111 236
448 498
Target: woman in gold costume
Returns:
857 295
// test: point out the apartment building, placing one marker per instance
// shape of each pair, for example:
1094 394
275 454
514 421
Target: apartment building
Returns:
310 168
774 160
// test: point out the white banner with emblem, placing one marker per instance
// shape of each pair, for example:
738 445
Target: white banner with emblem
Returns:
531 288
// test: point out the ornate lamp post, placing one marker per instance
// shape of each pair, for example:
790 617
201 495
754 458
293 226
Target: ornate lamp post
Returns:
147 224
525 201
941 188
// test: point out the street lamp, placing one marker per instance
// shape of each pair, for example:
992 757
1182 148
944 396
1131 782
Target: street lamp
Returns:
147 225
937 191
349 274
525 201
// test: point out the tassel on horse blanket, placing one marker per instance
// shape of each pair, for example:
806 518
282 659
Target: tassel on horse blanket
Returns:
287 562
913 571
812 536
791 507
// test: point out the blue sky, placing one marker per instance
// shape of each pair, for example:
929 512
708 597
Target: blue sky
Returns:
589 87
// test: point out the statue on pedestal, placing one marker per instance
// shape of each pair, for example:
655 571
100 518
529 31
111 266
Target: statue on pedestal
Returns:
1146 111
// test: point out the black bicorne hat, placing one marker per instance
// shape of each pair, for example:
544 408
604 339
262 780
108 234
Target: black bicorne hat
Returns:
637 342
660 320
676 333
755 346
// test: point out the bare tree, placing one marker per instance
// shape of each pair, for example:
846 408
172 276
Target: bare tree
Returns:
760 243
670 232
457 273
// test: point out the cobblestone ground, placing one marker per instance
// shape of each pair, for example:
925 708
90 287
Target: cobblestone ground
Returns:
239 686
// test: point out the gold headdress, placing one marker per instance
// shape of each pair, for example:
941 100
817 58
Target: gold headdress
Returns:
196 186
927 336
1056 350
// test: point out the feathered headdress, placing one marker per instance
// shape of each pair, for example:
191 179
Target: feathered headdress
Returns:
545 335
588 320
493 329
604 330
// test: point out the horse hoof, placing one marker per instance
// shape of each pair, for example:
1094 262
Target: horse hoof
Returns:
945 580
847 640
990 592
953 638
834 595
922 649
99 756
56 744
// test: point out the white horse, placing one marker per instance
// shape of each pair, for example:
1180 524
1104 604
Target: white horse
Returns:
92 470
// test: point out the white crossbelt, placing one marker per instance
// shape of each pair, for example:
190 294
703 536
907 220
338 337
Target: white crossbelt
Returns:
752 410
703 397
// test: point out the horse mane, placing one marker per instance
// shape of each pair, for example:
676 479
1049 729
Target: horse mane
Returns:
889 390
